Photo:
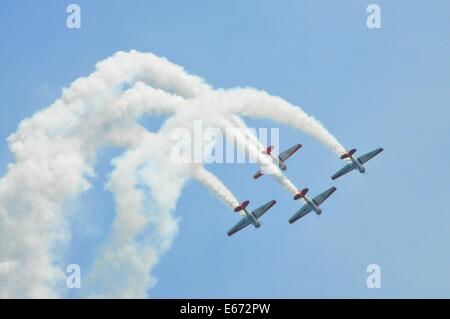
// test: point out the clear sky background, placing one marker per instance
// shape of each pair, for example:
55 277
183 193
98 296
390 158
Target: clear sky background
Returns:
388 87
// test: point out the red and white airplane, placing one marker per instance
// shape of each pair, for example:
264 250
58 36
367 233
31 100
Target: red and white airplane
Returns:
310 204
280 159
250 218
356 163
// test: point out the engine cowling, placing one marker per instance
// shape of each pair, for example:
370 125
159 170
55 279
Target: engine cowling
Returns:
348 154
242 206
301 194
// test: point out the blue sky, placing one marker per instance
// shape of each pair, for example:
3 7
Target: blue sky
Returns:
370 88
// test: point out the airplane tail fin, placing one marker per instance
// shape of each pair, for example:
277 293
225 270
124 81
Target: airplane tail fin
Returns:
348 154
242 206
301 194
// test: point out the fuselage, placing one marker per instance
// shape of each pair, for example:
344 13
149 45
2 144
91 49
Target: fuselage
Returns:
252 219
358 164
278 161
313 205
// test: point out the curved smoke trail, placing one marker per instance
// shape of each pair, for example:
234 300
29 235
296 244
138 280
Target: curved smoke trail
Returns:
55 153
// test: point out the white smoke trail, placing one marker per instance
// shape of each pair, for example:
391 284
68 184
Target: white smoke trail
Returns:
142 176
239 123
144 170
55 151
216 187
259 104
263 160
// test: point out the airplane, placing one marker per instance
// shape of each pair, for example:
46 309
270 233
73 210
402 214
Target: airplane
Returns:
356 163
280 160
250 218
310 204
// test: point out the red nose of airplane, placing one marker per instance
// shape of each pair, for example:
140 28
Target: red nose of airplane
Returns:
301 194
348 154
269 150
241 206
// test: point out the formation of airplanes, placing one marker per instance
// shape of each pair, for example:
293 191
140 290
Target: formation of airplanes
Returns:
310 204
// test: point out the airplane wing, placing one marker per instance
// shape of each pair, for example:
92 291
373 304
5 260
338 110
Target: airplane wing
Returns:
319 199
244 222
347 168
364 158
289 152
264 208
300 213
